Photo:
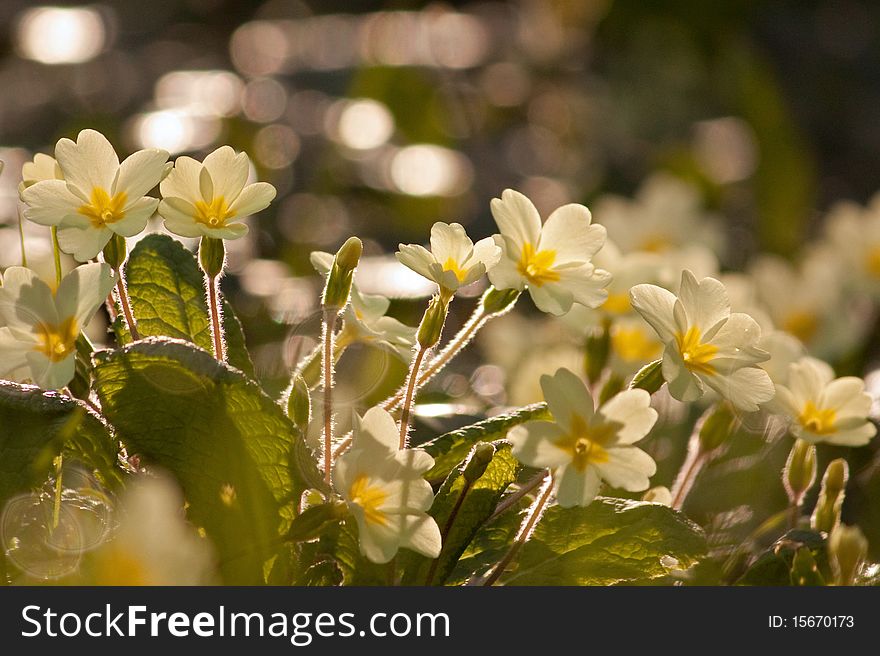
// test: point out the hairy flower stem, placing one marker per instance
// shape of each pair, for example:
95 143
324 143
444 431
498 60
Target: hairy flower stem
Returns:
330 316
21 240
525 531
691 467
444 533
410 394
125 302
514 497
216 317
56 250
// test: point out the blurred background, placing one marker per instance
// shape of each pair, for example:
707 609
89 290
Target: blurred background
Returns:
380 118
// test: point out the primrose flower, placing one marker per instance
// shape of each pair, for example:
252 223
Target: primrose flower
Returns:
706 344
554 260
385 490
823 408
208 199
365 318
853 232
97 197
626 270
584 446
454 260
40 328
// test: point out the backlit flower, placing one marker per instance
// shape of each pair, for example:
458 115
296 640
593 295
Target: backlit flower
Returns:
454 260
97 196
584 446
553 261
385 490
40 327
823 408
210 198
705 344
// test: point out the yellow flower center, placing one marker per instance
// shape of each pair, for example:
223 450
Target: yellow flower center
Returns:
370 498
213 214
817 420
872 261
102 208
57 342
617 304
655 244
451 265
634 345
586 443
801 324
537 268
696 356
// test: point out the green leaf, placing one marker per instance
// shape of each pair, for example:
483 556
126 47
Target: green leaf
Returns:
322 573
342 542
609 541
309 524
227 443
167 292
778 565
474 503
451 448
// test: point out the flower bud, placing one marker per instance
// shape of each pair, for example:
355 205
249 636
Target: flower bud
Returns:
717 428
800 470
338 287
596 350
804 569
212 256
826 514
481 456
115 251
299 404
848 548
649 377
432 323
496 301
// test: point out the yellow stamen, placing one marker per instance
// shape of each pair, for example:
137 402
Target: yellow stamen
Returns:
617 304
213 214
586 443
801 324
57 342
817 420
370 498
451 265
696 356
634 345
102 208
537 268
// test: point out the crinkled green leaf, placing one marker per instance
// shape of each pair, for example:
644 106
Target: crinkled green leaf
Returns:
475 507
167 292
451 448
227 443
608 541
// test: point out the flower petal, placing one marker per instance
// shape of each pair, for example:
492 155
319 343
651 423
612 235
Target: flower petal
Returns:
628 468
252 199
418 258
534 444
517 218
50 202
632 409
140 172
567 397
656 305
745 388
568 232
83 290
183 181
83 243
229 172
136 217
89 163
576 488
26 301
505 274
705 302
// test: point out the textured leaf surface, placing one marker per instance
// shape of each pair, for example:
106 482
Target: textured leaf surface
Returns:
451 448
609 541
167 291
226 442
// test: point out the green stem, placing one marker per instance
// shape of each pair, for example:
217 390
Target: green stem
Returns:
216 318
330 317
125 303
410 393
429 579
21 240
56 249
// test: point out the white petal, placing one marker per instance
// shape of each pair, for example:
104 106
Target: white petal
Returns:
505 274
632 409
140 172
705 302
628 468
228 171
449 241
517 218
574 488
486 252
551 298
858 436
26 301
378 543
568 232
51 375
83 243
847 397
586 284
136 217
567 397
534 444
421 534
745 388
682 384
83 290
376 429
418 258
253 198
49 202
183 181
13 360
656 305
737 339
89 163
808 378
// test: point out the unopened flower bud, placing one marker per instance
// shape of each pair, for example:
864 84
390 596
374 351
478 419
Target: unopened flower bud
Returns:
496 301
596 350
212 256
649 377
800 470
826 514
717 428
848 548
338 287
804 569
115 251
432 323
481 456
299 404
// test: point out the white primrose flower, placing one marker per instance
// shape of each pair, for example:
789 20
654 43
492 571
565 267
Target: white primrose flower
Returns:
853 232
706 344
97 196
454 260
553 261
584 446
365 317
627 270
40 328
385 490
823 408
209 199
42 167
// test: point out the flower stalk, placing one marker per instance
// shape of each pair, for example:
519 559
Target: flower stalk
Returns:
212 258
